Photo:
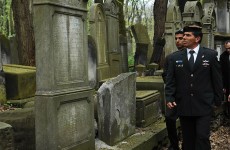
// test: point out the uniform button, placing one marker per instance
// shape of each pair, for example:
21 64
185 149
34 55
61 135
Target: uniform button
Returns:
191 85
191 75
191 94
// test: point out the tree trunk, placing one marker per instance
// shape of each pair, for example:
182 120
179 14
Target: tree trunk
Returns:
121 18
24 31
160 10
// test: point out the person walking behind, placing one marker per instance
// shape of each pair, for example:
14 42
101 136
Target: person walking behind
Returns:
193 86
225 67
171 114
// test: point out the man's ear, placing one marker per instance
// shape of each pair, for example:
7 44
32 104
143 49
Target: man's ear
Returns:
198 39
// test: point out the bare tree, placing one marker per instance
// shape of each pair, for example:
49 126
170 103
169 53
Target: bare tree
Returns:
160 10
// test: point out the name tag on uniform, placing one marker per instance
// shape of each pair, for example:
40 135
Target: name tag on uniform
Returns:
179 63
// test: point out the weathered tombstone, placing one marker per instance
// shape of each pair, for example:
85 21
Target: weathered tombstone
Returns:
97 25
172 24
116 108
152 83
6 137
64 105
13 51
20 81
142 44
112 22
209 25
124 53
148 108
193 12
92 62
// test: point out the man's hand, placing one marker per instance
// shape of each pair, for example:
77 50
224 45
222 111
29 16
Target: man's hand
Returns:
229 98
172 105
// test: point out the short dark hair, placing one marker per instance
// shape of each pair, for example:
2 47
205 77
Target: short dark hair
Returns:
180 31
226 42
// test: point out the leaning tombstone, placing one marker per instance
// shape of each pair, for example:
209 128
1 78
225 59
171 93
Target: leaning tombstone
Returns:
116 108
64 104
142 44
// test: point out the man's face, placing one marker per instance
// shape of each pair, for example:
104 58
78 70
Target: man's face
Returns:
179 41
190 41
227 47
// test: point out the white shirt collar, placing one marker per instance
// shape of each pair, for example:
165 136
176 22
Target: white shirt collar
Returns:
196 49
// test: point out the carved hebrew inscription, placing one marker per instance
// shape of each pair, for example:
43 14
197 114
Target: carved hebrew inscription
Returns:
68 48
73 122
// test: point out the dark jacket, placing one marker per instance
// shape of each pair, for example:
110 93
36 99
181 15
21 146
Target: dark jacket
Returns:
225 67
195 91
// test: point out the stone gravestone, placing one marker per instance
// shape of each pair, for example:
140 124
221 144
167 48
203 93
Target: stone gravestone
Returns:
112 22
142 44
209 25
193 12
92 62
172 24
222 17
116 108
98 31
124 53
64 105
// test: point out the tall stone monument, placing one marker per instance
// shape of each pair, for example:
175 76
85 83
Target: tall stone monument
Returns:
63 106
98 31
193 12
172 24
112 23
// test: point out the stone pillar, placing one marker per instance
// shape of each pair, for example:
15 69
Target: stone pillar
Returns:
209 25
64 104
222 16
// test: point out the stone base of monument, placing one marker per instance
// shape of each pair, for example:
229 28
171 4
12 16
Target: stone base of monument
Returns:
149 138
152 83
147 107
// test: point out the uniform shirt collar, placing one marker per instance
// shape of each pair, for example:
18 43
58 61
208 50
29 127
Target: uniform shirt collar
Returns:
196 49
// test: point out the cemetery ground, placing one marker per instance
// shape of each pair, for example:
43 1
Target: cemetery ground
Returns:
220 137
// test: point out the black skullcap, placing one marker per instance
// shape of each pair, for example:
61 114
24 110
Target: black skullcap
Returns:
192 28
180 31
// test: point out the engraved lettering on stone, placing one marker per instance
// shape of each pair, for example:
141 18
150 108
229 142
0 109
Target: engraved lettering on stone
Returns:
101 40
60 36
69 48
73 122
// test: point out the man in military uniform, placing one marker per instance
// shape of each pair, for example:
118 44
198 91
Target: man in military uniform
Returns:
171 114
225 67
193 86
